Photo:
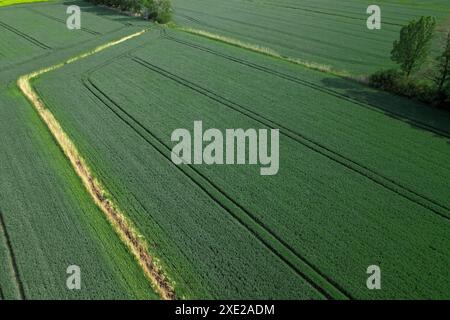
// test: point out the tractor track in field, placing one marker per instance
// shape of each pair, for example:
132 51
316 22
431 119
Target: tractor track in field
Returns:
313 275
326 13
14 65
289 22
12 258
391 185
25 36
367 105
87 30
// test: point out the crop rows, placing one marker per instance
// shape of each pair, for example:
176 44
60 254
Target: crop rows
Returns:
188 238
363 175
349 208
292 124
386 182
313 31
15 53
246 218
11 286
47 220
394 12
193 244
327 89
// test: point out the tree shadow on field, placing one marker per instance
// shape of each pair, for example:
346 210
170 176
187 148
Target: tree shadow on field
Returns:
113 14
420 116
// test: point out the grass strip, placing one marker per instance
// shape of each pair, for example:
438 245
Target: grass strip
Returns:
271 53
121 224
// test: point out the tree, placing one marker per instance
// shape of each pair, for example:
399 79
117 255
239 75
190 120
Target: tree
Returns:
412 48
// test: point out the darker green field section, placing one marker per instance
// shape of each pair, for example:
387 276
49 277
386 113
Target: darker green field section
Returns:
47 219
324 32
348 195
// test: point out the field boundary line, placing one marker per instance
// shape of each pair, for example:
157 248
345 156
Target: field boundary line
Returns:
25 36
300 265
268 52
12 257
125 229
253 25
317 11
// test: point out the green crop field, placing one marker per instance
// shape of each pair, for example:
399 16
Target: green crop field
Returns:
314 31
47 219
172 81
87 176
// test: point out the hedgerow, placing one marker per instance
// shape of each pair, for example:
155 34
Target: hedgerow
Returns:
431 85
157 10
397 82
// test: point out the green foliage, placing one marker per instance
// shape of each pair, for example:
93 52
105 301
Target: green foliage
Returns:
442 72
411 50
397 82
385 79
158 10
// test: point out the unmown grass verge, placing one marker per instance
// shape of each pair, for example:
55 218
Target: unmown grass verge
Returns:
122 225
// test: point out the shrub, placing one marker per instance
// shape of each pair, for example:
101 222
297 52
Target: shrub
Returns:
397 82
426 93
385 79
158 10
